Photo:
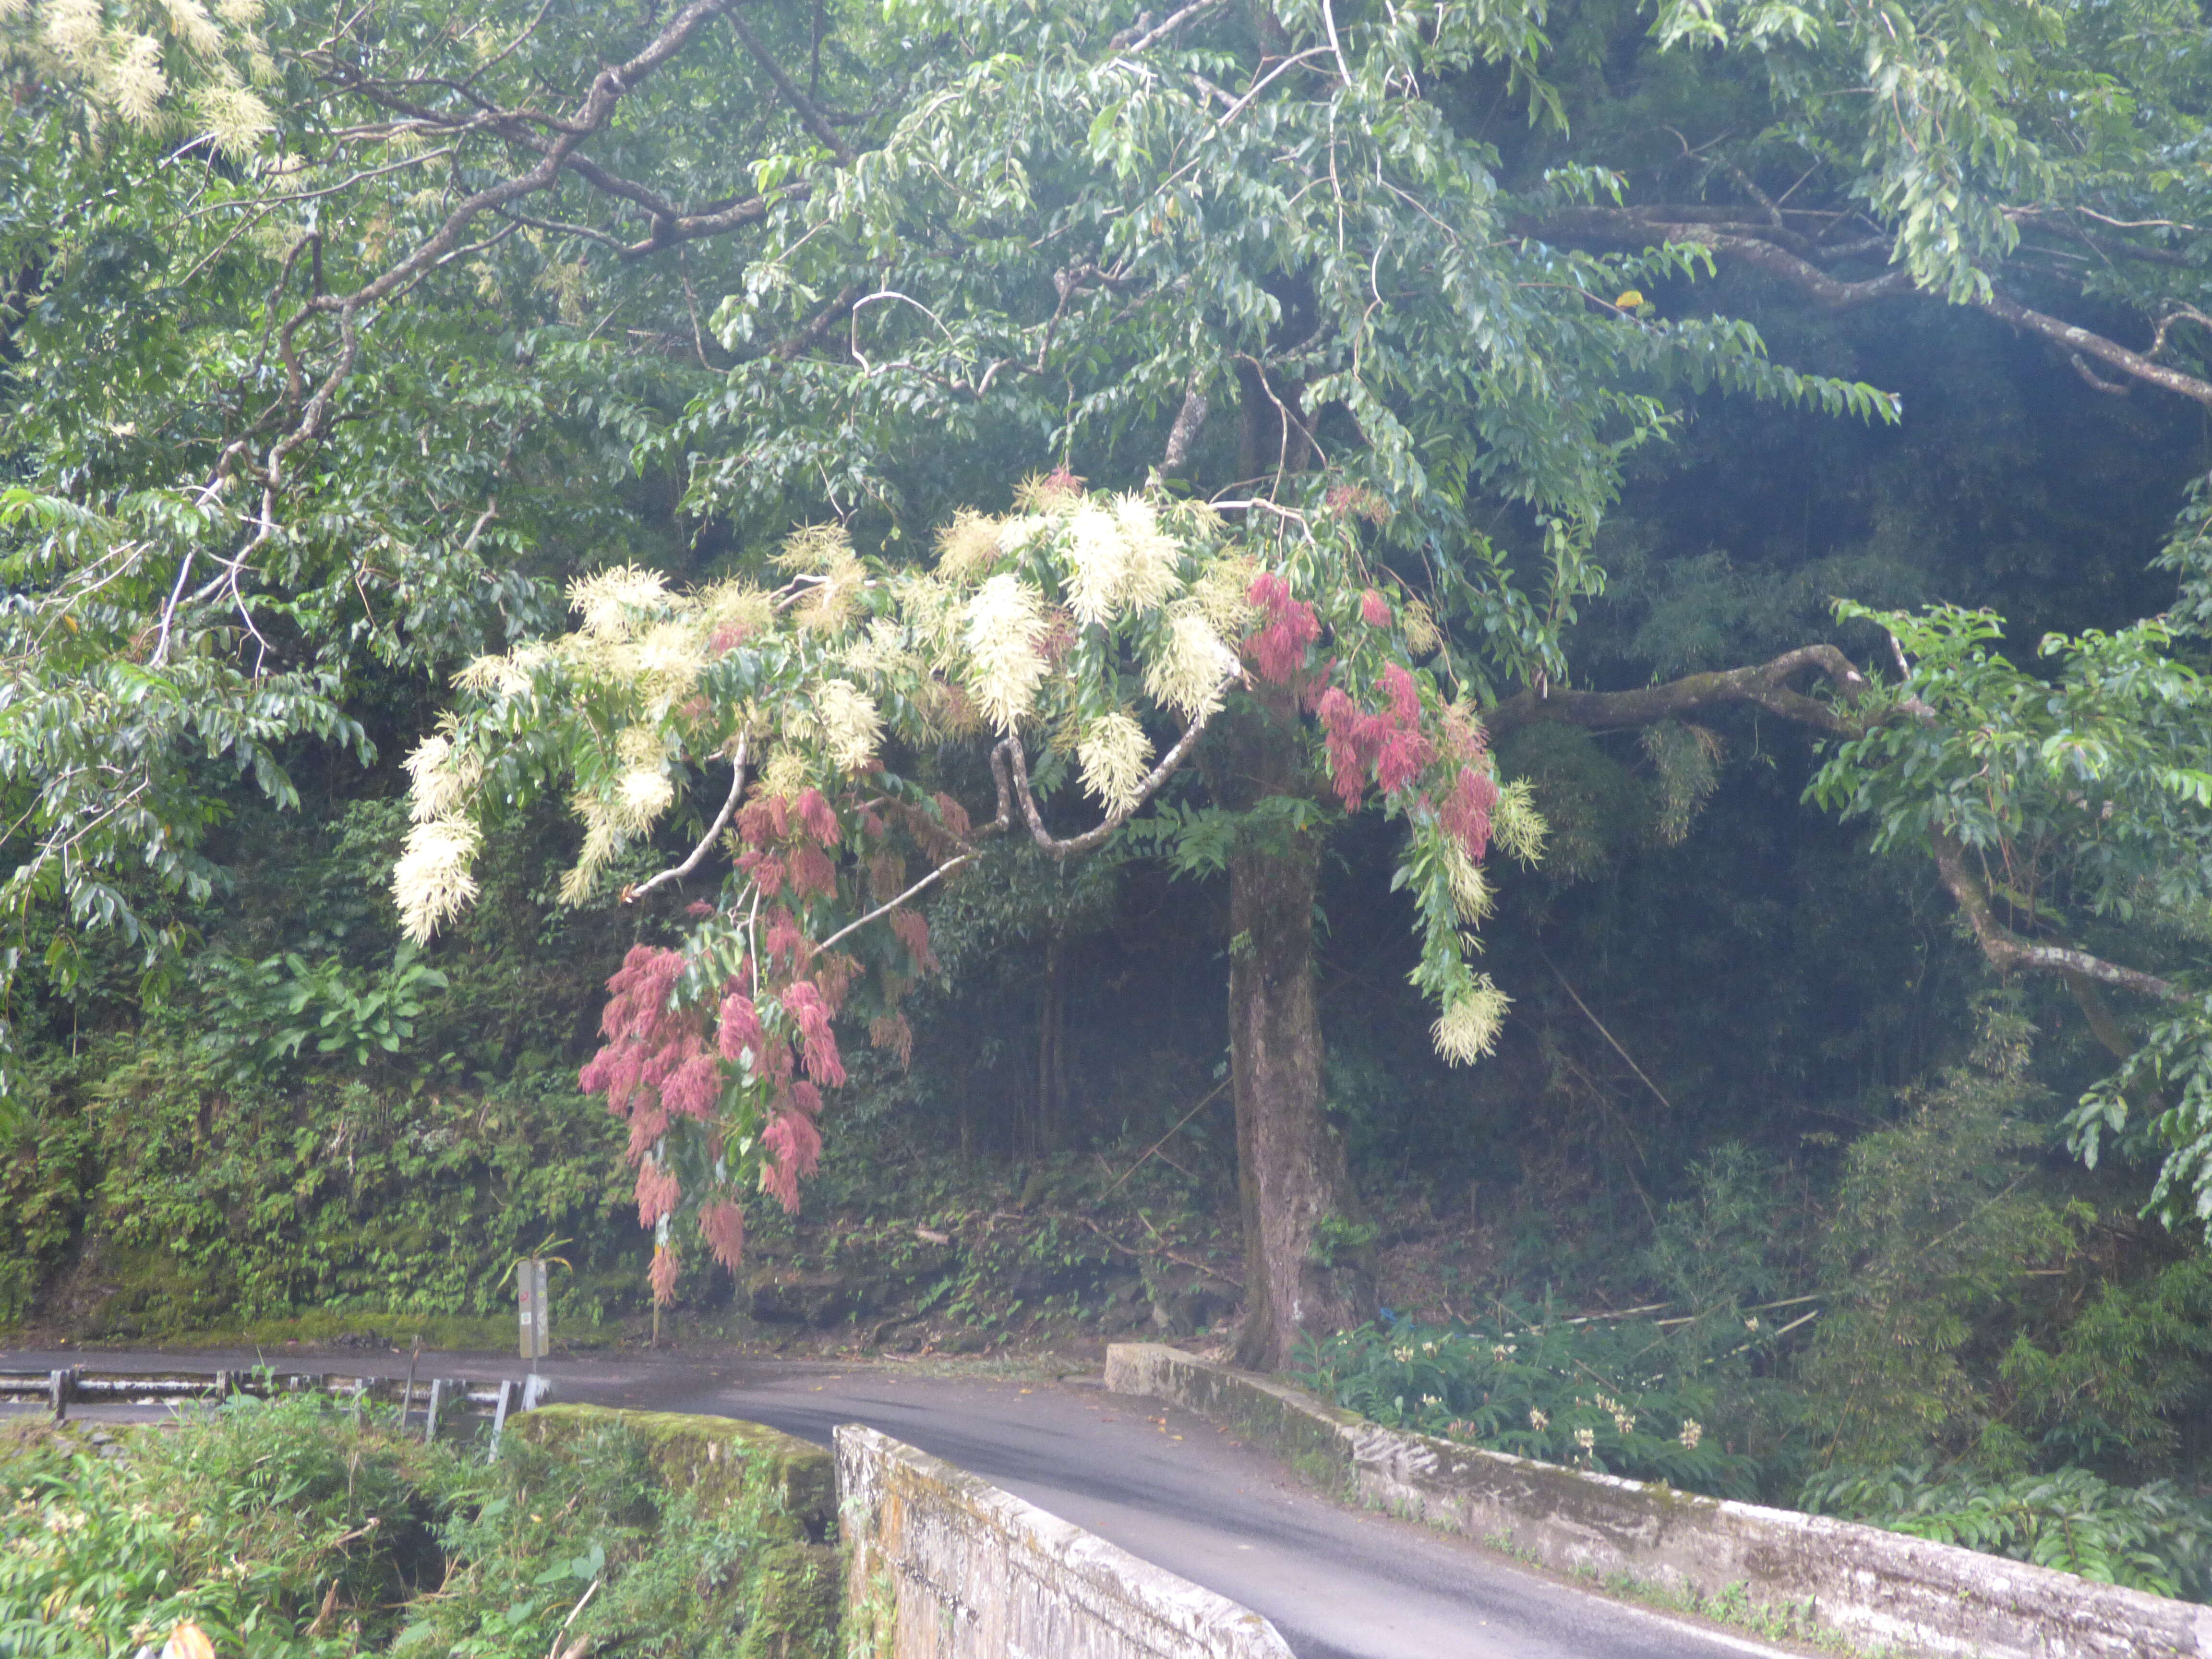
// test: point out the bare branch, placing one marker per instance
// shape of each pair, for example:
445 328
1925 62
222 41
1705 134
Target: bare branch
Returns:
927 882
1765 685
2109 352
677 872
2007 952
1153 36
1182 436
1019 764
816 122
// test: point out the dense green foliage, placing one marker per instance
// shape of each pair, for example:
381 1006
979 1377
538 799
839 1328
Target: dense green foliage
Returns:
290 1528
1628 341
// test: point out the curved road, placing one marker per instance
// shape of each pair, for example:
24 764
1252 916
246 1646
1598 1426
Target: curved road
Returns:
1338 1584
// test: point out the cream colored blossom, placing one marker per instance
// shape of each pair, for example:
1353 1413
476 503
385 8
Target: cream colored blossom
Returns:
851 726
134 83
75 31
1418 626
1098 563
605 599
1114 752
823 551
190 23
1151 564
442 779
1515 822
432 880
1004 626
1218 595
785 775
233 116
968 545
641 797
1471 1022
1190 665
1470 889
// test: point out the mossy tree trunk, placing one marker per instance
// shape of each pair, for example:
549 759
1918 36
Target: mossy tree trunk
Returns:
1292 1177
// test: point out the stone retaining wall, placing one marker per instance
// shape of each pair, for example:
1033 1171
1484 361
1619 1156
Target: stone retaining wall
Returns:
1880 1588
944 1566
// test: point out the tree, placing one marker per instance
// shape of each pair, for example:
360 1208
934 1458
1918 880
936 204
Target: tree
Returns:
1049 634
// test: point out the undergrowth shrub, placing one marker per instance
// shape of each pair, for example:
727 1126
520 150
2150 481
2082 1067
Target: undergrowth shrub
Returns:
1601 1396
2149 1538
285 1530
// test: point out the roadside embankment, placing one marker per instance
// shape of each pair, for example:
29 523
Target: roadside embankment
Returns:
945 1566
1881 1589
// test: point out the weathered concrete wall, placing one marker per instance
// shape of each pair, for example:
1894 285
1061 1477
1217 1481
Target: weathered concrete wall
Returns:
944 1566
1878 1587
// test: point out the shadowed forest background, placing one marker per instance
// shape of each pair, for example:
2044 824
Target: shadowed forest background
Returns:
1757 1081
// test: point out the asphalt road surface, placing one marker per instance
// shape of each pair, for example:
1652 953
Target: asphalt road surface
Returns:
1338 1584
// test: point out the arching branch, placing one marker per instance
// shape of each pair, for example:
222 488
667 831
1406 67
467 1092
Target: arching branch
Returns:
2008 952
677 872
1011 765
1767 685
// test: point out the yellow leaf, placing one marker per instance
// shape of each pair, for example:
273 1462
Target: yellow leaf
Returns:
188 1641
1629 300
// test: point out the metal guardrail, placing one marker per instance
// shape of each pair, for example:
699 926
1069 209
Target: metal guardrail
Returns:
443 1399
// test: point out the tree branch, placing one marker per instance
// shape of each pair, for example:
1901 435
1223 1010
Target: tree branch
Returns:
816 123
677 872
2110 352
1015 762
1635 227
2007 952
1765 685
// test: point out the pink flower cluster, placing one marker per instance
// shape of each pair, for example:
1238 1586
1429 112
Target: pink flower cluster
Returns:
1287 627
1386 745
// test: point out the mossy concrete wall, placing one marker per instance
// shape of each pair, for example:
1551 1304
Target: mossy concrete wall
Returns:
944 1566
1879 1588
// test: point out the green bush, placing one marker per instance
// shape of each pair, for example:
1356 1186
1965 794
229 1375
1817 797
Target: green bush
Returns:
285 1529
1602 1395
2148 1538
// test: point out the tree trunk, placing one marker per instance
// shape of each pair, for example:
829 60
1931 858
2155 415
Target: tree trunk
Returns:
1291 1175
1052 1073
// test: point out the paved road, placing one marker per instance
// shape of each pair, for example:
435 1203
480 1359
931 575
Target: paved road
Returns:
1164 1485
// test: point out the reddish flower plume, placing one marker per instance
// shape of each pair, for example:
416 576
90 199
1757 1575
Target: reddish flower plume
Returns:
785 941
1374 609
1278 646
912 930
663 1274
722 1224
812 872
766 871
810 1013
954 815
1466 812
694 1088
657 1189
738 1029
820 821
793 1146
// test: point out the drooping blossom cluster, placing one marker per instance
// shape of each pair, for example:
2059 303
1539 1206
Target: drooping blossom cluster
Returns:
1287 626
1386 745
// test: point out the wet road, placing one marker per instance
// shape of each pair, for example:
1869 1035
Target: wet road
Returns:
1338 1584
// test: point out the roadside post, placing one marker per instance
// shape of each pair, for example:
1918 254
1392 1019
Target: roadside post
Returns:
535 1307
